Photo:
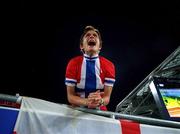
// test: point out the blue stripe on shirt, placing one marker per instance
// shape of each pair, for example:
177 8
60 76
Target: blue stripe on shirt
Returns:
69 81
109 81
90 82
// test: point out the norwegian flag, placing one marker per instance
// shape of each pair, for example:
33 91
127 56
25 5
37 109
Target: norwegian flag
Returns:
43 117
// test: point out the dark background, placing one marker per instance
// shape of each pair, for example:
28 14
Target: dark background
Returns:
40 38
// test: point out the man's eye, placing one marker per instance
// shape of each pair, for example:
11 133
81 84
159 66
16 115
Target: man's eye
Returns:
87 35
95 35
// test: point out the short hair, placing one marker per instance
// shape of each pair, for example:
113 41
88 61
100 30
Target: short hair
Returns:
88 28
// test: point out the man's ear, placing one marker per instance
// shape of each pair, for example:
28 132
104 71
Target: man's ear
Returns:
81 46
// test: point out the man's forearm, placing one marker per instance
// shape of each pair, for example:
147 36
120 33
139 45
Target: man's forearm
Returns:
76 100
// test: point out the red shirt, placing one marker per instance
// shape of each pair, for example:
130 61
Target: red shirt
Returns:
89 74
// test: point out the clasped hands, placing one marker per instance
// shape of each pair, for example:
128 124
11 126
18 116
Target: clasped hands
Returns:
94 99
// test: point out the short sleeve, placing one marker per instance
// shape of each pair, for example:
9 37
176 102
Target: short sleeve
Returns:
71 73
110 74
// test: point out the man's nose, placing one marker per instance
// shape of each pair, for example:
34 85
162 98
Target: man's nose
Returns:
91 36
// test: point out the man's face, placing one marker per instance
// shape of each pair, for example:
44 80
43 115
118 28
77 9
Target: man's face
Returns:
91 43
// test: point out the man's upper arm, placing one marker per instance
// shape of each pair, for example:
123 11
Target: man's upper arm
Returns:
107 91
70 90
71 79
110 74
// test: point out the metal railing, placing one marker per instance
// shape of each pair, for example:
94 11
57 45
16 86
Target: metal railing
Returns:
139 119
11 98
109 114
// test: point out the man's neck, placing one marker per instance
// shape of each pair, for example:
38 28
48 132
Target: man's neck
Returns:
91 55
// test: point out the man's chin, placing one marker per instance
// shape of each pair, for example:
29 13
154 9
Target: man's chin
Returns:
92 52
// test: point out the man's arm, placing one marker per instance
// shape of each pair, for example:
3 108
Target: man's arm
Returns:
100 98
107 94
74 99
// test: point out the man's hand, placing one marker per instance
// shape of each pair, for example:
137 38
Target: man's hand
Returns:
94 99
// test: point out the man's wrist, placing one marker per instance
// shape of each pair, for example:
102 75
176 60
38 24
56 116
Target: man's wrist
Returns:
85 102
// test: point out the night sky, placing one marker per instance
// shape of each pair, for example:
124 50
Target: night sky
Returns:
40 42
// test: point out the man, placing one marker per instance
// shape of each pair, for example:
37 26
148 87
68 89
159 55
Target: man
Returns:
90 77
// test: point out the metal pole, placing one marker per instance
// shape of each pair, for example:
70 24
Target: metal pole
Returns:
139 119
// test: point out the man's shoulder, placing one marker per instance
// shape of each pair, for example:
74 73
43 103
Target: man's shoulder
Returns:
103 59
76 59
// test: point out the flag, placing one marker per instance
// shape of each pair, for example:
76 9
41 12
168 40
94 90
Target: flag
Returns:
38 116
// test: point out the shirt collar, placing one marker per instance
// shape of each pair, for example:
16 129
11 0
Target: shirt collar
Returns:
91 57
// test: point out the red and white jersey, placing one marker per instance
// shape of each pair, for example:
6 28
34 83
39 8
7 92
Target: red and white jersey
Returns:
89 74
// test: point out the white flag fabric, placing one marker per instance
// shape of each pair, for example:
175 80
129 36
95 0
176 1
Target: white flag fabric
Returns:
38 116
148 129
130 127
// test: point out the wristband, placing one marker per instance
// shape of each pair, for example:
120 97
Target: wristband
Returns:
101 102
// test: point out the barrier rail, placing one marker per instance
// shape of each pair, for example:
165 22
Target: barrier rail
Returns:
11 98
139 119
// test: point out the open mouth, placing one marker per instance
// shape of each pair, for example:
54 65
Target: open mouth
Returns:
91 43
